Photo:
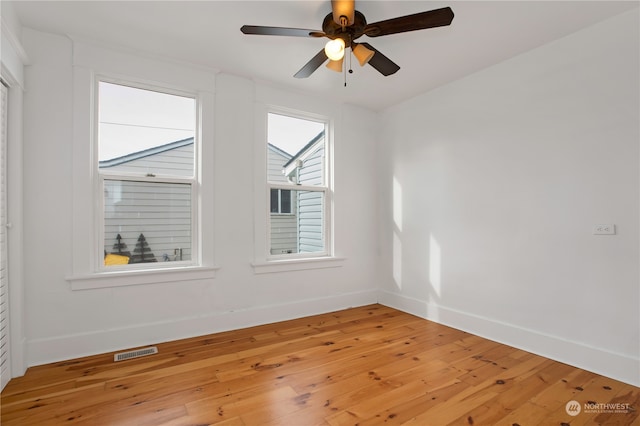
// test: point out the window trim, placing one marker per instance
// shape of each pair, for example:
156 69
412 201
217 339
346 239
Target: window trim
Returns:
122 278
324 189
88 61
264 261
101 175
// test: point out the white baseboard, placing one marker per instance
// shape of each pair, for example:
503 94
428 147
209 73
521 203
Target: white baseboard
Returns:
62 348
614 365
617 366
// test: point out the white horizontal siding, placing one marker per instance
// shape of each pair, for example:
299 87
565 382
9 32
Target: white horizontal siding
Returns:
310 204
276 159
311 172
284 233
159 211
310 221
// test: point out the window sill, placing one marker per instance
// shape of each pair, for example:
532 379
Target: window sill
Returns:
286 265
139 277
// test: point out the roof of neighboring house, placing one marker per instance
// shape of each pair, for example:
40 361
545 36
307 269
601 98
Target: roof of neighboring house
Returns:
145 153
278 150
305 148
184 142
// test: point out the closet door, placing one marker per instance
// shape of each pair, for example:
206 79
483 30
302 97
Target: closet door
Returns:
5 363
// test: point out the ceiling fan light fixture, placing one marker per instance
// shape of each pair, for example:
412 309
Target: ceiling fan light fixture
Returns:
334 49
362 54
335 65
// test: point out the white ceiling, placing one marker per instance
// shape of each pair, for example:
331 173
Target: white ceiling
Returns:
207 33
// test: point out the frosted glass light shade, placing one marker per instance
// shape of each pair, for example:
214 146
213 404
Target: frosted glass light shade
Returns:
334 49
336 65
362 54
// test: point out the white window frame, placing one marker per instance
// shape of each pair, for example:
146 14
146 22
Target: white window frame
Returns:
324 189
106 174
265 262
90 61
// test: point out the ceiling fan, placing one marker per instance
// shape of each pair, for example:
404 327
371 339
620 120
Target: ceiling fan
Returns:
344 25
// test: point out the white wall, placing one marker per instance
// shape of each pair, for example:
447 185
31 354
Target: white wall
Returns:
63 323
490 188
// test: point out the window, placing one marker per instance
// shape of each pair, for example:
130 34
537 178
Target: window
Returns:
297 171
280 201
147 176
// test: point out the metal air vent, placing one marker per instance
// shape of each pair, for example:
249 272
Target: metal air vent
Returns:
122 356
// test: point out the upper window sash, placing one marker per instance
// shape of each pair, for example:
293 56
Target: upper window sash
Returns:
113 123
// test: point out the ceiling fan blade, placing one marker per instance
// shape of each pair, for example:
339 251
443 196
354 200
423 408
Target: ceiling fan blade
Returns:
312 65
280 31
343 8
384 65
418 21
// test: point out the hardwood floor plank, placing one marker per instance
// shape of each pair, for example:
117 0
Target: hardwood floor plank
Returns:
444 386
371 365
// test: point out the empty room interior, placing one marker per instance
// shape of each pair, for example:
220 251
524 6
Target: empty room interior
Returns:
320 212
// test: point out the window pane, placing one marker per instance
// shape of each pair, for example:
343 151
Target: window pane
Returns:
302 230
145 131
146 222
275 207
285 201
295 150
310 221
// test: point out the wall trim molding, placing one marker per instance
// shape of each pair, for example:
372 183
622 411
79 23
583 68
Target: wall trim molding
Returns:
62 348
601 361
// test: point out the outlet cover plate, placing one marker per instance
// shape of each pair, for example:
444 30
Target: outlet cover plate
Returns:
604 229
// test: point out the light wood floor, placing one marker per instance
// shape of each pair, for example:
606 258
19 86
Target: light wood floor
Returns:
368 365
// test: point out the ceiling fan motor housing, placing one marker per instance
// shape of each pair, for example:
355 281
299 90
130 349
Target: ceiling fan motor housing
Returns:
349 33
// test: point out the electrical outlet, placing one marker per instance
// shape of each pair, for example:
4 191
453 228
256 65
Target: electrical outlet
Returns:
604 229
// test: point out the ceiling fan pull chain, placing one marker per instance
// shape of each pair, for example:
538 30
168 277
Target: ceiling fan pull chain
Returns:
345 65
344 72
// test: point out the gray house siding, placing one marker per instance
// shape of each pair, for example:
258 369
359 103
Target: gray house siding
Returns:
310 203
276 159
284 227
158 210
